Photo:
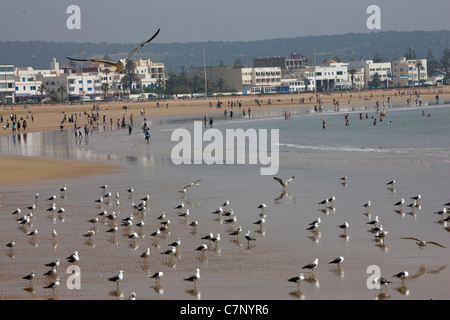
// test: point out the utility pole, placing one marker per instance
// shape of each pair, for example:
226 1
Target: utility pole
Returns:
204 69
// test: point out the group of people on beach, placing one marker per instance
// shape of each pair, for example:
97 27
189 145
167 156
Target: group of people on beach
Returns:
16 124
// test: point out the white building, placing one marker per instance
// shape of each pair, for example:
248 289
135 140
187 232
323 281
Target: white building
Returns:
7 83
331 76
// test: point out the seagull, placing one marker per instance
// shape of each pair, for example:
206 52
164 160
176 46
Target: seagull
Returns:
184 214
11 244
170 252
53 264
17 211
132 296
400 203
73 258
284 183
262 206
260 222
344 226
391 183
117 278
367 205
120 65
192 184
202 248
195 277
157 276
374 221
53 285
30 276
63 189
416 197
146 254
298 279
331 199
176 244
402 276
247 236
382 281
33 233
53 271
89 234
218 211
318 221
312 265
162 216
236 232
216 239
441 212
338 260
53 197
130 190
180 206
422 243
381 235
52 208
344 179
146 198
313 228
61 210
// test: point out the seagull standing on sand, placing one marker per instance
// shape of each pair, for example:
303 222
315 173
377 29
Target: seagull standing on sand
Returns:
298 279
195 277
312 265
262 206
337 261
344 226
157 276
30 277
402 276
73 257
120 65
53 285
249 238
117 278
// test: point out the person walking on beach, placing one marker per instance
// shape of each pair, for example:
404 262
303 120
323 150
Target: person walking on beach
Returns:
211 122
147 135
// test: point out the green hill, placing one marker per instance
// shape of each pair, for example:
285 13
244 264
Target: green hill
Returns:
389 44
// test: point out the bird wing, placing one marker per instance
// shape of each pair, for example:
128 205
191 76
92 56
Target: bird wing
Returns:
95 60
279 180
436 244
290 180
412 238
143 44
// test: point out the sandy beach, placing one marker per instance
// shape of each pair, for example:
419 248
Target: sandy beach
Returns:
48 117
234 269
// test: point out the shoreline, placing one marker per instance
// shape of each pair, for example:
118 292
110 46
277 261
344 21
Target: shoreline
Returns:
48 117
19 170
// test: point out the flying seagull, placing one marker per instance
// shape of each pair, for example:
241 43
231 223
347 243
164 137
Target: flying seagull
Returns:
120 65
422 243
284 183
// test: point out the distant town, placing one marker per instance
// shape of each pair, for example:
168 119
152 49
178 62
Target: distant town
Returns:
145 79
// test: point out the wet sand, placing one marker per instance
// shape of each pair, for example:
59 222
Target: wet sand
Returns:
233 270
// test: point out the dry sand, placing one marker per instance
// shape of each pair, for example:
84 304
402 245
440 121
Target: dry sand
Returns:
46 117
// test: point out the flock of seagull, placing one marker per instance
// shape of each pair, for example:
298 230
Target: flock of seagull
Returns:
225 215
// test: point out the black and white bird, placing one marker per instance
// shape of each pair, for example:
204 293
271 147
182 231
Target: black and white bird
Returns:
374 221
236 232
73 257
297 279
382 281
54 285
170 252
313 265
117 278
53 264
400 203
194 277
157 276
337 261
367 205
176 244
249 238
30 277
262 206
391 183
53 197
119 65
202 248
284 184
402 276
344 226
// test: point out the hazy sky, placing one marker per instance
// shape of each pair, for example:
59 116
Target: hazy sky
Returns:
133 21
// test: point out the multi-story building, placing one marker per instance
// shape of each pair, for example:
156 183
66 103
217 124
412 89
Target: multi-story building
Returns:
294 63
409 72
7 83
331 76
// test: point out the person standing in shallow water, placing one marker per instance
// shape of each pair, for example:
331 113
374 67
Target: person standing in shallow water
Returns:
147 135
